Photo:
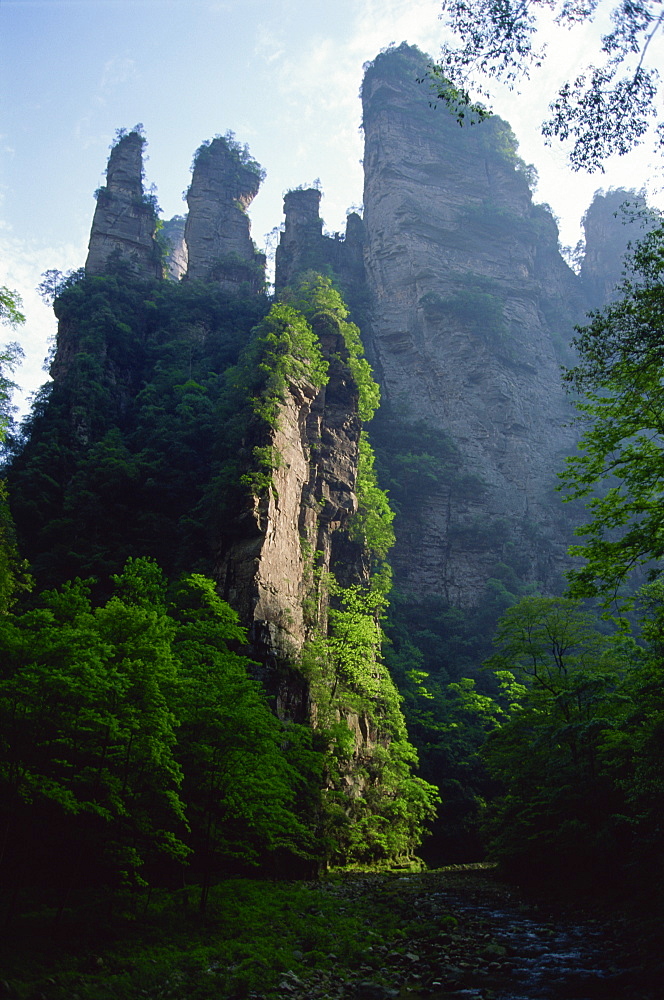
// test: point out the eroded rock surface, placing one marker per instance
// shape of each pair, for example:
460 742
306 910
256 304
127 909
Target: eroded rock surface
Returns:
176 257
614 220
125 218
266 570
304 247
217 232
471 307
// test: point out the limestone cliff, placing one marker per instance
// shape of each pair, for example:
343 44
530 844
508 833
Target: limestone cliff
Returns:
171 236
296 563
466 308
471 305
217 233
125 218
266 567
303 247
613 221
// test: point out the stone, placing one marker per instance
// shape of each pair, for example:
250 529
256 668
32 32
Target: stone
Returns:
217 233
369 990
467 308
613 220
459 266
125 218
176 257
303 247
263 565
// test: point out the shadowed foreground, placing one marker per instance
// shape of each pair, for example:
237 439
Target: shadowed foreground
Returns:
363 936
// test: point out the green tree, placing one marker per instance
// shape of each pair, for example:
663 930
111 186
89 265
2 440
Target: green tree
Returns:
606 108
88 738
619 472
135 624
632 751
240 786
13 570
134 425
10 357
560 678
285 348
388 815
373 521
51 285
314 295
10 307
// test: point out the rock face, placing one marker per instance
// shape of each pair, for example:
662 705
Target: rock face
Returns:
470 306
266 570
172 235
467 309
613 221
217 233
303 247
125 218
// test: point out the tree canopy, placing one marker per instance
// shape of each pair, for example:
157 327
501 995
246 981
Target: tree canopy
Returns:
608 107
561 803
619 469
133 732
10 307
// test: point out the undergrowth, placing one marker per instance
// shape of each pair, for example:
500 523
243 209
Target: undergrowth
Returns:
252 934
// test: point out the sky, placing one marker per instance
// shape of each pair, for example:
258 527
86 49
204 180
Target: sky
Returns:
283 75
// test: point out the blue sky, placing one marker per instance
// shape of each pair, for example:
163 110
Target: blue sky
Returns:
284 75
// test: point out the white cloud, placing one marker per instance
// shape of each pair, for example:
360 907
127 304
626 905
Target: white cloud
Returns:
117 72
379 24
270 44
314 64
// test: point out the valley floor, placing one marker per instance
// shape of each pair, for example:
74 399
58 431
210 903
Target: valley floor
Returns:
442 934
467 934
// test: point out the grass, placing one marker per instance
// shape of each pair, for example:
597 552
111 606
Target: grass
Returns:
253 934
263 940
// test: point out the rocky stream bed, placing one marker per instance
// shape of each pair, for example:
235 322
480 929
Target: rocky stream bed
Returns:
471 936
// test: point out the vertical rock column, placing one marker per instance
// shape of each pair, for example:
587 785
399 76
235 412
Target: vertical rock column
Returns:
275 556
613 221
172 234
460 338
125 220
302 246
219 245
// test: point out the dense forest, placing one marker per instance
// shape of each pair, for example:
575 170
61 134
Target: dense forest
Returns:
148 749
115 504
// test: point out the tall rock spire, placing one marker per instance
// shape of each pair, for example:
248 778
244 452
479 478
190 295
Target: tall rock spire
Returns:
304 247
471 305
125 218
219 245
614 220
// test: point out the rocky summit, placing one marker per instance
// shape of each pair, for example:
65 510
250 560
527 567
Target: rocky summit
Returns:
125 218
466 309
